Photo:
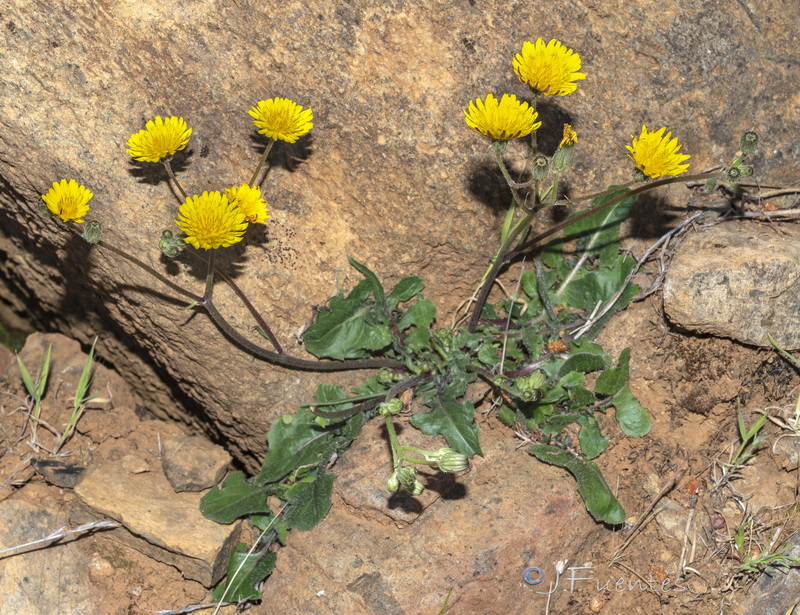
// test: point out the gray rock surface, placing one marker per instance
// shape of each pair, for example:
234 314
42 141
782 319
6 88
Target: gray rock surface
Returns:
192 463
394 177
52 580
738 280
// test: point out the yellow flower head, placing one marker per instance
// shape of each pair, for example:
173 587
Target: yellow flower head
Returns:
549 69
656 155
249 202
68 200
570 136
501 120
281 119
161 138
211 221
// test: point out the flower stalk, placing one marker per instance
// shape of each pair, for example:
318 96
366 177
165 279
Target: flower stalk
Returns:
505 253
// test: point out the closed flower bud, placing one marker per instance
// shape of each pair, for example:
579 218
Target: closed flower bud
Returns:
749 142
171 245
386 376
540 167
417 488
93 232
393 484
530 386
407 477
450 460
733 173
393 406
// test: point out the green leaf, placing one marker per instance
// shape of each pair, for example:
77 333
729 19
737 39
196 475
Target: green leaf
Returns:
374 282
599 233
26 378
252 569
557 422
418 339
310 504
591 439
85 380
553 253
584 345
235 498
534 342
349 329
488 354
294 441
610 279
570 380
582 362
583 292
783 352
421 314
632 418
44 372
509 219
528 284
405 290
453 420
507 416
611 381
600 502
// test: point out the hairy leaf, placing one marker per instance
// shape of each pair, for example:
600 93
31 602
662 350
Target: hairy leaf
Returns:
421 314
406 289
244 573
599 500
452 419
632 418
294 441
611 381
599 233
350 328
582 362
233 499
374 282
591 439
310 503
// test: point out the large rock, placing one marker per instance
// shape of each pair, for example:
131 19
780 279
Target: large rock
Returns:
739 280
394 179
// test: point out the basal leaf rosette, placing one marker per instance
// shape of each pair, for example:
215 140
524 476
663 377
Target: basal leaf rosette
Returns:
501 120
68 200
656 155
550 69
211 221
160 139
281 119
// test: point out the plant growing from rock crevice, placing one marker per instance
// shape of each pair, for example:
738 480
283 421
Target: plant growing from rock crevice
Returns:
533 350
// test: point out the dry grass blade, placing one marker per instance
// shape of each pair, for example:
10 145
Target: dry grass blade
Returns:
56 536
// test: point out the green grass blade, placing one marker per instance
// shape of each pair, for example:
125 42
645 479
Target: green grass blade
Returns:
85 379
44 371
26 377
